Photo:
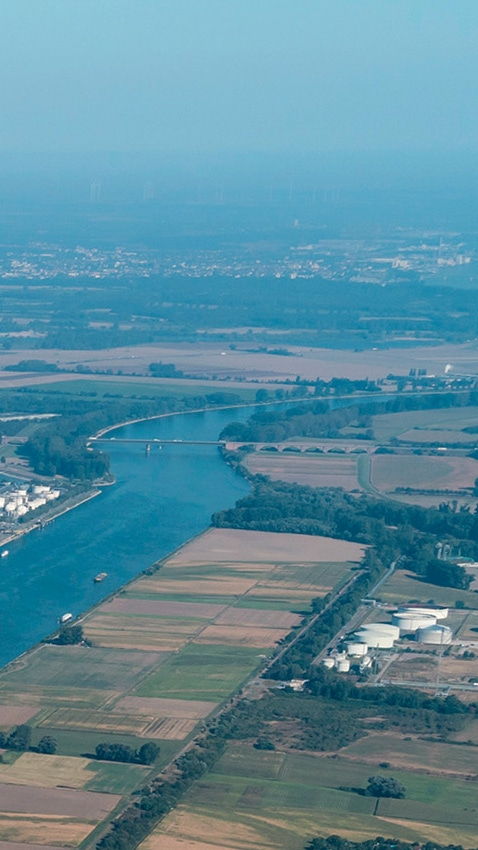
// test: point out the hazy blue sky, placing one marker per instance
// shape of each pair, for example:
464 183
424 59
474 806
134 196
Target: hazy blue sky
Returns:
239 75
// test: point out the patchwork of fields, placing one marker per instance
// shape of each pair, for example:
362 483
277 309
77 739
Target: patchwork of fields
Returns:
165 653
255 800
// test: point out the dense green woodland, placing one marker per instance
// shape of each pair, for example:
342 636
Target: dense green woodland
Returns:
320 312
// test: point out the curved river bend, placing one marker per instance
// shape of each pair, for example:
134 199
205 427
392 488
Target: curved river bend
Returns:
159 501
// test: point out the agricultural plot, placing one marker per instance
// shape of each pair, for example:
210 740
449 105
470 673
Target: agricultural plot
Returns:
313 470
143 633
11 715
56 801
234 545
422 472
44 771
404 586
27 831
164 653
391 425
63 667
262 800
201 673
413 753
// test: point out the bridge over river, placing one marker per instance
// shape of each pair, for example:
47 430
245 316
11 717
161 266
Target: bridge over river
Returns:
157 442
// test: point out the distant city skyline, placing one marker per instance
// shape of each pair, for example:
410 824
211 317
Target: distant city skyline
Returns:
206 76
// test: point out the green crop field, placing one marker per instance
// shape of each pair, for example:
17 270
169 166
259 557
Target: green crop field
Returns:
273 799
63 667
110 390
201 673
116 778
386 426
403 586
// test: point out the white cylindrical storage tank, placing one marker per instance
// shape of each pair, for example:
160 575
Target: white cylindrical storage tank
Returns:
55 494
41 501
356 649
382 628
343 665
375 640
328 663
22 510
49 497
411 622
10 507
426 610
366 662
22 491
437 635
37 488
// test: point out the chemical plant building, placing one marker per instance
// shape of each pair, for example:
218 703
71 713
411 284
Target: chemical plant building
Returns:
419 621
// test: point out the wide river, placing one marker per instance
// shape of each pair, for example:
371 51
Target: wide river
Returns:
159 501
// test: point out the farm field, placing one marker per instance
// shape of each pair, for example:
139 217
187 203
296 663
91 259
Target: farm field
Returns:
206 359
306 468
423 472
255 800
162 655
404 586
425 423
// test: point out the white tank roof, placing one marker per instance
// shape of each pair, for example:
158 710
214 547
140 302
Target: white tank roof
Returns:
381 628
357 648
413 621
432 610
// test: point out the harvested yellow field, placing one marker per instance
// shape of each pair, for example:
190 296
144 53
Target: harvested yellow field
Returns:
170 728
47 830
220 545
46 771
258 618
292 595
146 633
210 832
164 707
234 585
446 835
306 468
240 636
82 719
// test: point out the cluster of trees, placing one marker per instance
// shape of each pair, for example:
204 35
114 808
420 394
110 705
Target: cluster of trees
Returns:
383 786
165 370
147 754
70 635
335 842
20 739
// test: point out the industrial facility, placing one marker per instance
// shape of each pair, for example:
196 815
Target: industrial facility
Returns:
18 500
412 621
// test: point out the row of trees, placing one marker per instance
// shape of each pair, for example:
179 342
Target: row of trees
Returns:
147 754
335 842
317 419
